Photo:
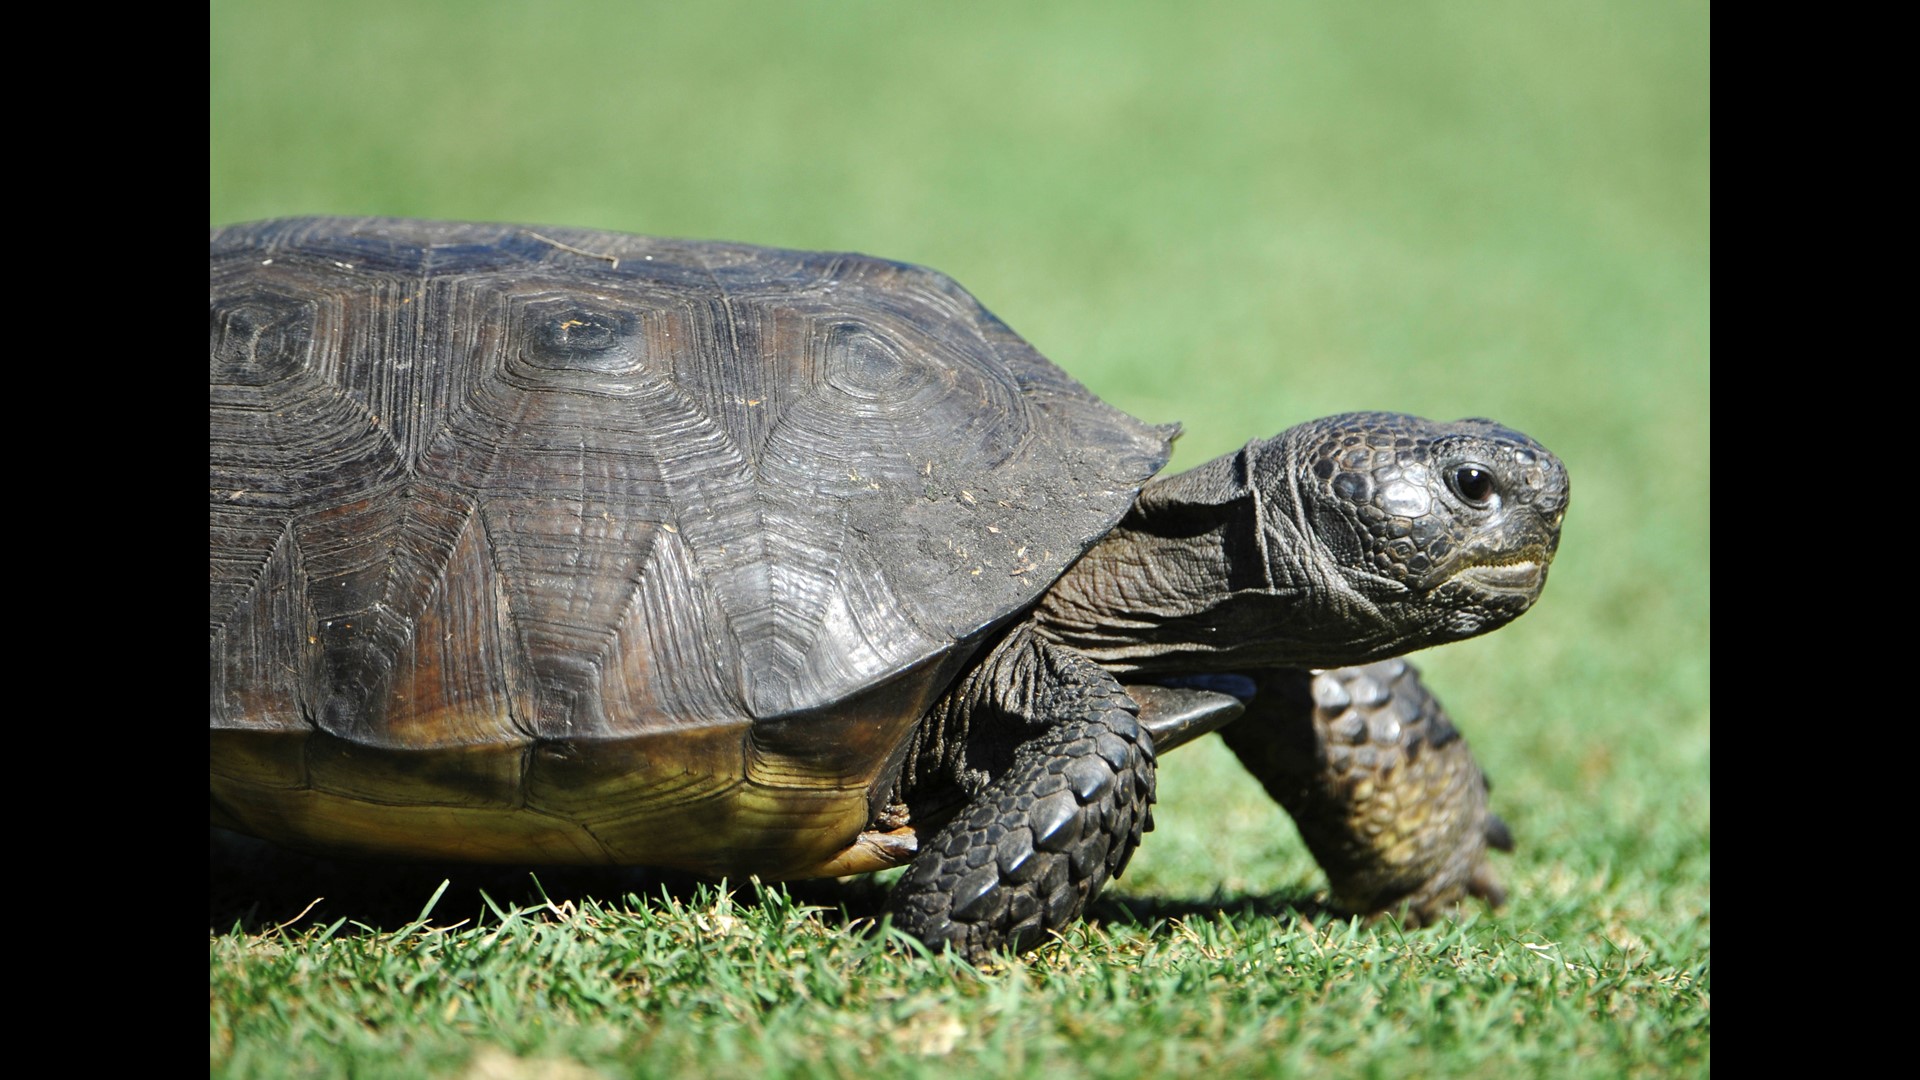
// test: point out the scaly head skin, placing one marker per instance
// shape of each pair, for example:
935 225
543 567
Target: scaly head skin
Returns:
1451 526
1341 541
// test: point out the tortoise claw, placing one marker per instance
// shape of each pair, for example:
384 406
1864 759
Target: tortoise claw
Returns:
1499 837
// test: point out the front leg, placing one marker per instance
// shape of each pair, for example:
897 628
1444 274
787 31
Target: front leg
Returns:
1058 780
1382 786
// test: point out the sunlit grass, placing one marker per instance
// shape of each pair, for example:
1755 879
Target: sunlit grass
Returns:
1237 216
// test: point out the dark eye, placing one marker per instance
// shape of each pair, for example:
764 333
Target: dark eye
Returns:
1474 483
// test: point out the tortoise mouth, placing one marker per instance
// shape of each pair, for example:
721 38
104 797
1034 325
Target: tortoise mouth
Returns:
1524 576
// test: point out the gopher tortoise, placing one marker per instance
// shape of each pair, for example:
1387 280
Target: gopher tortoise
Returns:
551 546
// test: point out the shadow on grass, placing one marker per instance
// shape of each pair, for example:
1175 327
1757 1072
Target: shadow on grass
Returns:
256 887
1149 910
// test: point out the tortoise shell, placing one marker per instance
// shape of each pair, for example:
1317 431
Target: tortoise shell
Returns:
551 545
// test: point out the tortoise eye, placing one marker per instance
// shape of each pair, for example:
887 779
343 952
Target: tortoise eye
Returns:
1474 483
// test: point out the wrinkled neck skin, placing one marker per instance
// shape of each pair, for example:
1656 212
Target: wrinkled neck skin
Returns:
1189 582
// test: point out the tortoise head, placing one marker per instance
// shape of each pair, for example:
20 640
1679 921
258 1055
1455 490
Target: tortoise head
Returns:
1411 532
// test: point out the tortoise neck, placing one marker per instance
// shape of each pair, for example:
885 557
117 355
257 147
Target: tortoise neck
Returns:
1187 582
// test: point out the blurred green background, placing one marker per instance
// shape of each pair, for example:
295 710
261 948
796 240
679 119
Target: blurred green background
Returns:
1234 215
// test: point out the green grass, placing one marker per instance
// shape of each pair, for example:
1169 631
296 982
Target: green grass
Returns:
664 986
1237 216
